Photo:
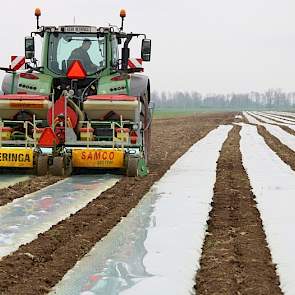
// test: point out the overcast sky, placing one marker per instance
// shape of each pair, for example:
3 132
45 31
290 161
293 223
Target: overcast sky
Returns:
211 46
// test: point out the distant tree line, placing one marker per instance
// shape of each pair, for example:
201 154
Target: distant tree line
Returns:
272 98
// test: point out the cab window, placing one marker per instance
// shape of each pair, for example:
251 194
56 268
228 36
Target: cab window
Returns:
115 50
66 47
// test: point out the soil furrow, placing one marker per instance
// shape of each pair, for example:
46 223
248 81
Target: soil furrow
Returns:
284 152
287 129
38 266
235 258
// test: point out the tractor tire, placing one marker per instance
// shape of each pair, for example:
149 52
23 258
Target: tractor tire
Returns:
145 118
42 165
132 167
58 167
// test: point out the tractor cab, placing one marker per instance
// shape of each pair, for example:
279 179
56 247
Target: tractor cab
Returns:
85 104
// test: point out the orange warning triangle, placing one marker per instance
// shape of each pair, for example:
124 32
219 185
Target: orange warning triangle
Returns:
76 70
48 138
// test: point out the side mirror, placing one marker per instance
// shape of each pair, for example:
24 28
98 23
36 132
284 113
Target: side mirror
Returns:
146 47
29 47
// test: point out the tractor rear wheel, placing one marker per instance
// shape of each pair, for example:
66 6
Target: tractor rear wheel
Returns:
145 117
42 165
132 167
58 166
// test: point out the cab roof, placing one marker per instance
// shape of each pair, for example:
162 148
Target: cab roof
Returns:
77 29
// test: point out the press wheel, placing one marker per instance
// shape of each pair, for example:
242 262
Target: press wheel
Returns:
69 168
132 167
58 167
42 165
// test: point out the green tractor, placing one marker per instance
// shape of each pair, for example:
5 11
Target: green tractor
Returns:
85 105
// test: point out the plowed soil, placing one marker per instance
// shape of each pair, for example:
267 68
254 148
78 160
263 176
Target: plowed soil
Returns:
38 266
235 258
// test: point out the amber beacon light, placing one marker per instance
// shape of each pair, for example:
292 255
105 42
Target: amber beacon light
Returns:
38 14
122 15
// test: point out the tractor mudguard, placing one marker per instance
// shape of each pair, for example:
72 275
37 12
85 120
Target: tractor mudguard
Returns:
139 85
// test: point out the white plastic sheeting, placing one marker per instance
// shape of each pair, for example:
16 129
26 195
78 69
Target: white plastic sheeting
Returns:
7 180
283 136
156 249
275 120
23 219
275 130
250 118
269 121
280 118
273 184
283 117
288 114
263 119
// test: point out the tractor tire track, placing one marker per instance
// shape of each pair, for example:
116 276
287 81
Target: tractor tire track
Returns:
38 266
235 258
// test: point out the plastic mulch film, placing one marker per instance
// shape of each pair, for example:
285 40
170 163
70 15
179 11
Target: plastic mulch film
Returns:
23 219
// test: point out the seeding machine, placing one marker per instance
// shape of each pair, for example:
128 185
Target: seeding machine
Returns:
86 104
